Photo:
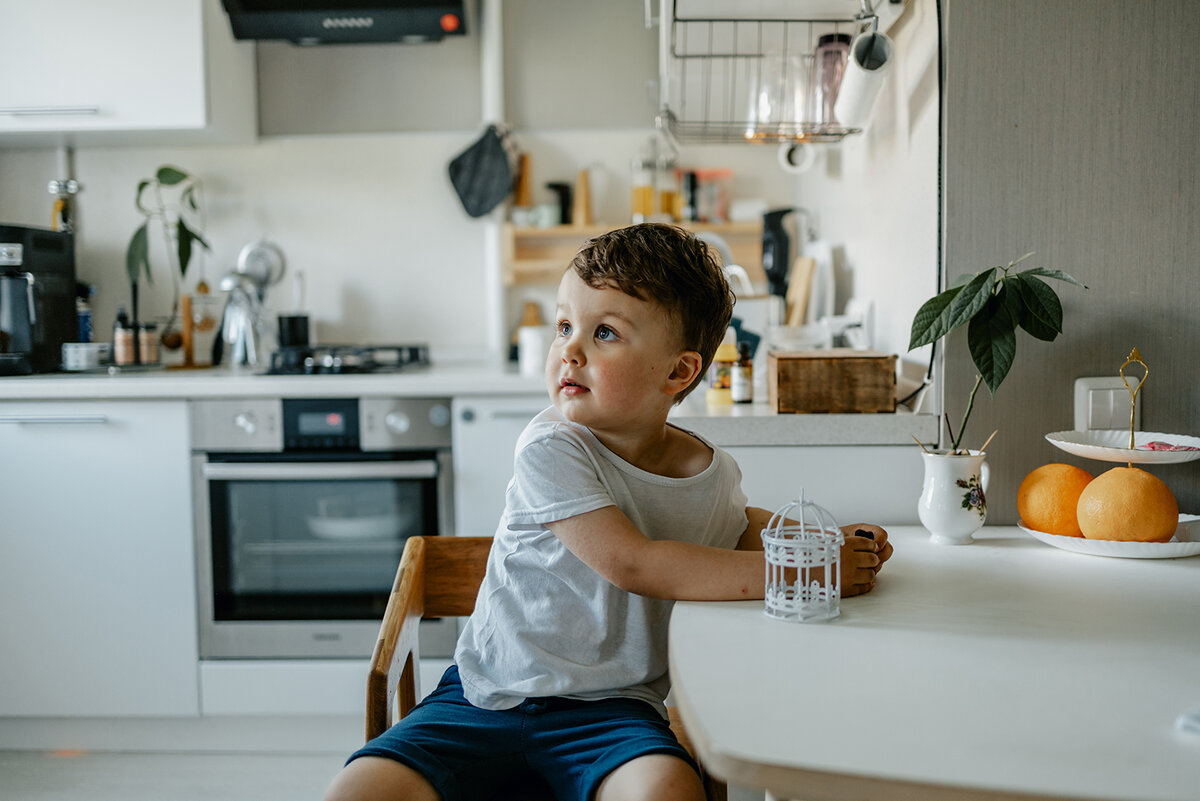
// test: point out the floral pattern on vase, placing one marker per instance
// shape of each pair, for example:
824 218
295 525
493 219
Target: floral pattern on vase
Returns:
953 504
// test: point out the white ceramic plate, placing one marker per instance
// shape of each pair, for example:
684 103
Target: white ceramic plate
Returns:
366 527
1113 446
1183 544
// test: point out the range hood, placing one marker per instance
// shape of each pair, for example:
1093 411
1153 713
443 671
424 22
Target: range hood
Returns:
316 22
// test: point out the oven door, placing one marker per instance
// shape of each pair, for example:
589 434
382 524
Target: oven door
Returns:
297 556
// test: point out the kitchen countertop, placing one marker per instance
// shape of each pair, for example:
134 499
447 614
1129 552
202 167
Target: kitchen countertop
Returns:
730 425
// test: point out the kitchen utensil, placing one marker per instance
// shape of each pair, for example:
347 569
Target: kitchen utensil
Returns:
262 262
776 249
241 322
1111 446
779 100
482 174
832 52
293 330
821 292
798 284
1183 544
18 322
79 356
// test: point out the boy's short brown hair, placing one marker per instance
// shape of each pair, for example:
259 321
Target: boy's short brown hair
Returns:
667 265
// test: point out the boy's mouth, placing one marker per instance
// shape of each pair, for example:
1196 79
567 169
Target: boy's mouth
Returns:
570 387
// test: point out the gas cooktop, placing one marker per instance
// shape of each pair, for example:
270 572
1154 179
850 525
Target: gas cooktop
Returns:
356 359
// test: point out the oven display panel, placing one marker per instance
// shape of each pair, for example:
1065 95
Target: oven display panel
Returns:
318 424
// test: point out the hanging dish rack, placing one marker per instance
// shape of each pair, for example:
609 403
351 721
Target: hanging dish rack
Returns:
721 77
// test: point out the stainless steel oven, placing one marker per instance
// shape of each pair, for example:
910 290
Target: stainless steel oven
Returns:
302 510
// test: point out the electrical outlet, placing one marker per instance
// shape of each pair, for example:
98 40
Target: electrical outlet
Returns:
1103 403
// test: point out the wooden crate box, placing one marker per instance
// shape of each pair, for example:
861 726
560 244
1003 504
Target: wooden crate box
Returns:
838 380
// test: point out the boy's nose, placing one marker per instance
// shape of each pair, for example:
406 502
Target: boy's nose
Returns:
572 353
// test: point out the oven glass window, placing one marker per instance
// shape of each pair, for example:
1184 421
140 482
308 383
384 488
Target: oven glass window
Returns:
314 549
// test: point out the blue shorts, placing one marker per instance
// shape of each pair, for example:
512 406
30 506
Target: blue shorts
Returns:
467 753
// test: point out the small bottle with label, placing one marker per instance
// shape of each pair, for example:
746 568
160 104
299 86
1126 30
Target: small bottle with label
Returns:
720 371
124 339
741 385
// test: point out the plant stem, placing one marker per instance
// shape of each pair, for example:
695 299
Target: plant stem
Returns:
172 258
970 403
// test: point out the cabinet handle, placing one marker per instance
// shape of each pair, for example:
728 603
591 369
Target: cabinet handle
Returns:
319 471
49 111
54 419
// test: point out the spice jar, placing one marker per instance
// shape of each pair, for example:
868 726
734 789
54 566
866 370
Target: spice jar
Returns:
147 334
741 385
720 371
124 344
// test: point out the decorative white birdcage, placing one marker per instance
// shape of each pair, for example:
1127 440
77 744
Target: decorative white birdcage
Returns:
803 563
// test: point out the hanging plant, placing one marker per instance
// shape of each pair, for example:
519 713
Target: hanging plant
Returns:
993 304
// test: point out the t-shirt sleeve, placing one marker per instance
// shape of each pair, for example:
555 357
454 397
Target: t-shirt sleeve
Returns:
554 477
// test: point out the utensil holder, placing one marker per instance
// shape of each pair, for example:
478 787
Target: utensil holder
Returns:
803 564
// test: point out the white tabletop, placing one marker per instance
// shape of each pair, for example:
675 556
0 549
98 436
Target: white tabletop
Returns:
1002 669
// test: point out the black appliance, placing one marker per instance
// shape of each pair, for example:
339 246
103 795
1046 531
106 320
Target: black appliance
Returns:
329 359
315 22
38 264
776 251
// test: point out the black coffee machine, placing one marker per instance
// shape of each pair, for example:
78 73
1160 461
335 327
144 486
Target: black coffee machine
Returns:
776 251
37 298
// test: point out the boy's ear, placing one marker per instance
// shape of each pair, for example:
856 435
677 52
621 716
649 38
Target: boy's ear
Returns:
687 367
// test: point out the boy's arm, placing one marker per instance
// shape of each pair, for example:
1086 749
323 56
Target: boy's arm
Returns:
607 541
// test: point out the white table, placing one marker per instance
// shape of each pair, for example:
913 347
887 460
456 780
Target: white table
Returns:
1004 669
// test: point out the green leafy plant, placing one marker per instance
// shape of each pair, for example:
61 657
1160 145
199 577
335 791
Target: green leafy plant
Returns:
993 304
179 219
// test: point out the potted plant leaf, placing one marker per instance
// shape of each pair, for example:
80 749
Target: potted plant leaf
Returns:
181 215
993 304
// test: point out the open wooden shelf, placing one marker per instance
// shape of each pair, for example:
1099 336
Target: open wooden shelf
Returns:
541 255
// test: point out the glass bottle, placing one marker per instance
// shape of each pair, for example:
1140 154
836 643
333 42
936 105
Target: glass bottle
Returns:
832 51
741 385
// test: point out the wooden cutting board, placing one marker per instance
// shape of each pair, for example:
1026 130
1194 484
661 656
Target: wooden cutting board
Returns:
799 283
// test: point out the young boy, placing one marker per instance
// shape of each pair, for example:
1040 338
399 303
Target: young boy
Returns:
612 513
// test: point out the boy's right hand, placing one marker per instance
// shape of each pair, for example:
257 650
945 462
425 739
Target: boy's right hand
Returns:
863 554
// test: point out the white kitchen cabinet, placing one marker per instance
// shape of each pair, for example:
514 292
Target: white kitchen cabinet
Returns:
855 483
123 71
485 432
97 578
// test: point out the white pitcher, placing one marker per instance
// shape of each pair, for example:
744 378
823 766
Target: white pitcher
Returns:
953 505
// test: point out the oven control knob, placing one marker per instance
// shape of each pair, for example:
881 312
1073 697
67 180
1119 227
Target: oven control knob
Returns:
246 422
439 415
397 422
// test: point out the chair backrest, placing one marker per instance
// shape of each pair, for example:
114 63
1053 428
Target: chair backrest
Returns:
454 569
437 577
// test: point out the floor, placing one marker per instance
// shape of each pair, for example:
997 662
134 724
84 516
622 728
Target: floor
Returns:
139 776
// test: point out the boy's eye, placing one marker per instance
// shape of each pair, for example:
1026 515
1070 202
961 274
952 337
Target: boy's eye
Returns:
605 334
564 328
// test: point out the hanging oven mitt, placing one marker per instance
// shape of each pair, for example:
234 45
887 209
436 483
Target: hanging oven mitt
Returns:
482 174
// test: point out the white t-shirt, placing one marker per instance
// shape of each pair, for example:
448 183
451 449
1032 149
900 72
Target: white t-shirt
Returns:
544 622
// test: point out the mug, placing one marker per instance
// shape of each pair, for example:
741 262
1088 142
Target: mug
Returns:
293 330
533 344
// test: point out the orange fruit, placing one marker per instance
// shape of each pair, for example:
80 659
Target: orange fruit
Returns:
1048 496
1127 503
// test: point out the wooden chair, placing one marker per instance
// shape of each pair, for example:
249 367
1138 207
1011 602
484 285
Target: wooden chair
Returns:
440 577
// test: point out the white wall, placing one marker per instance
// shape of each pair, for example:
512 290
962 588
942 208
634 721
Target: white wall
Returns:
390 256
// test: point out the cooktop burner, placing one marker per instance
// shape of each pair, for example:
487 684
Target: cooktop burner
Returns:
336 359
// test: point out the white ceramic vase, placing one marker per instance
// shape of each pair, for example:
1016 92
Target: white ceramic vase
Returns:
953 503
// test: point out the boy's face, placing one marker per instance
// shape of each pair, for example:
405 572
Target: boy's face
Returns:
615 362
